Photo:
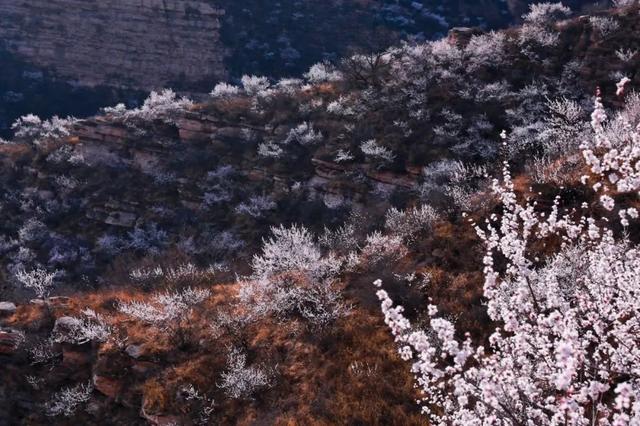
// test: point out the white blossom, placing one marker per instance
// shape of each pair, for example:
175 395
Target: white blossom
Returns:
293 276
321 73
66 401
254 85
225 90
79 330
372 149
240 380
621 84
39 280
38 131
167 308
565 348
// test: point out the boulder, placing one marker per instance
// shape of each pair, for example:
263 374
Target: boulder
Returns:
120 218
7 308
134 351
10 340
65 323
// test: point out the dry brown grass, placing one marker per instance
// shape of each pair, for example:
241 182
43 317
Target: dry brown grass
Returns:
348 374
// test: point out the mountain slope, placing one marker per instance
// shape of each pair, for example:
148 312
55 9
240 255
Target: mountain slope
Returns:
158 220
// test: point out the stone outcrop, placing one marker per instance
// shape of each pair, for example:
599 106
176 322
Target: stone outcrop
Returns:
7 308
138 43
10 340
134 351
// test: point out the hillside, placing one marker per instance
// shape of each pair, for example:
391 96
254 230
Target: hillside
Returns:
212 261
67 57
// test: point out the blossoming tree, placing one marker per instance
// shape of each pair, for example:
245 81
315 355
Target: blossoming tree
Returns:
566 346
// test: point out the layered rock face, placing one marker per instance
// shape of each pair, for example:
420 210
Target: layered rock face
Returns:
189 44
138 43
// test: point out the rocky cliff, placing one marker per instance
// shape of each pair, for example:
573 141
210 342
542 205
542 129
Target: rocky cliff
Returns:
189 44
143 43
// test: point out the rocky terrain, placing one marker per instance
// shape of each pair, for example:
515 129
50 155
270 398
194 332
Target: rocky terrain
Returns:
125 44
117 42
86 54
212 262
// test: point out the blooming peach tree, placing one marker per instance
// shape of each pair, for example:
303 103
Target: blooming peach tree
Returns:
566 346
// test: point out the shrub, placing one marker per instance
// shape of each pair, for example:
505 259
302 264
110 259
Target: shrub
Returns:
375 151
66 401
165 105
42 352
379 247
31 127
304 134
255 85
89 327
410 222
33 230
292 276
167 309
240 380
604 25
270 150
39 280
543 13
256 206
538 23
147 239
321 73
486 50
224 90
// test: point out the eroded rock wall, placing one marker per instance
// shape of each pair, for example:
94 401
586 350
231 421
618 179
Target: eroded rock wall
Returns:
139 43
